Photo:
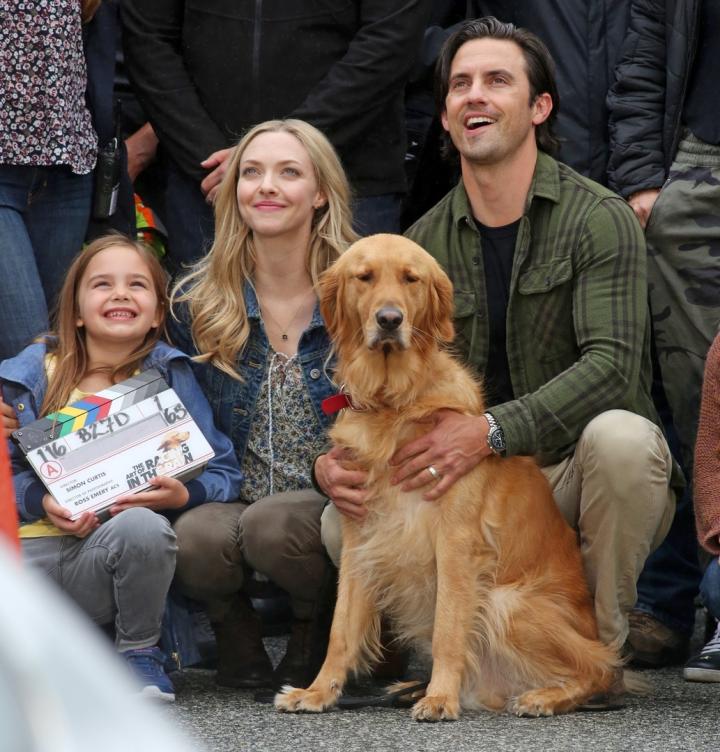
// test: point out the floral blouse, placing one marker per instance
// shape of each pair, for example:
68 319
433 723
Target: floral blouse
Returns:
284 436
44 119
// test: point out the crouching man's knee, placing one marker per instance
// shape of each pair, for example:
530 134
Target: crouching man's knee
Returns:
629 457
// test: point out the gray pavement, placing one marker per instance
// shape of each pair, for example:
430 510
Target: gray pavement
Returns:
675 715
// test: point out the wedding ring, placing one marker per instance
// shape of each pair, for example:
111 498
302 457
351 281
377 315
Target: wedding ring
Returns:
435 474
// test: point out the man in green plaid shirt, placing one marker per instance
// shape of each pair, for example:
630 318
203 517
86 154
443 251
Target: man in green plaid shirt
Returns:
551 309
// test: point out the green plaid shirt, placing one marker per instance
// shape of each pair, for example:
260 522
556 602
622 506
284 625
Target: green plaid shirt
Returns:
577 317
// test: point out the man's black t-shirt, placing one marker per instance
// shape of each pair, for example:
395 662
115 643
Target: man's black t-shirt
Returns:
498 248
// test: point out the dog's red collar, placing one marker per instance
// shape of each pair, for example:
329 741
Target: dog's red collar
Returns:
337 402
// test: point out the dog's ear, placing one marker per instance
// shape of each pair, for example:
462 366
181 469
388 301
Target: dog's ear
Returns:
440 308
331 286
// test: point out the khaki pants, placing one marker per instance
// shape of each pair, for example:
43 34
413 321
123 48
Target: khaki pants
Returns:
614 491
278 536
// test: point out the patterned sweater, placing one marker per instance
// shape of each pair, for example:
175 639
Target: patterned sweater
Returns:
707 455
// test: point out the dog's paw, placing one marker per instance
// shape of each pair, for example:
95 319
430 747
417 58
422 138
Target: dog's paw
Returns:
291 700
436 708
533 704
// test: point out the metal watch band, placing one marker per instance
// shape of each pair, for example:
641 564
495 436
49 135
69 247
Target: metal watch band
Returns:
494 430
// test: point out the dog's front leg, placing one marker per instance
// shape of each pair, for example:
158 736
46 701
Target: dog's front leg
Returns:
354 632
453 617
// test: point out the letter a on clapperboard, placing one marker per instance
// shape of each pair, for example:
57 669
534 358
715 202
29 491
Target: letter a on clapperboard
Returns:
8 511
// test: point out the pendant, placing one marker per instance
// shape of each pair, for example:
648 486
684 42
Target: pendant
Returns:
284 337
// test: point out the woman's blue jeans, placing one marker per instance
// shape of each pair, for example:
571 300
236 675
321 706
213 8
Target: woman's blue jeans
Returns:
44 213
710 588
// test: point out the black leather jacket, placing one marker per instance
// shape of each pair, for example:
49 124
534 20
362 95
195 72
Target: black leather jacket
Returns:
206 70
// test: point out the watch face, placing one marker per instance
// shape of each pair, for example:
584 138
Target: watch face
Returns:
497 440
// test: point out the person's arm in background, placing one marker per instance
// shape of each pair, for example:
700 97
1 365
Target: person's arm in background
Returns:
152 38
706 487
636 105
141 149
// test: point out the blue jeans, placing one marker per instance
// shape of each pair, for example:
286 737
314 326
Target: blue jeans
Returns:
710 588
188 219
373 214
44 213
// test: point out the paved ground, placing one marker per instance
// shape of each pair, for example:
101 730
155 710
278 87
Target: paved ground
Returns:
676 715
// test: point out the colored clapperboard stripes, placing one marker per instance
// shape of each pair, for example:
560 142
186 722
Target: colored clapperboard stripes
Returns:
92 408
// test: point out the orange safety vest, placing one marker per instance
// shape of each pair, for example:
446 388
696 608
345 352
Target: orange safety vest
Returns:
8 511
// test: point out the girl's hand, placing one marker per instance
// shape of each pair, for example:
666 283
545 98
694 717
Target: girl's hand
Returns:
8 418
60 517
167 493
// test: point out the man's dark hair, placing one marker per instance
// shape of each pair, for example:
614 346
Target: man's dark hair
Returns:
539 65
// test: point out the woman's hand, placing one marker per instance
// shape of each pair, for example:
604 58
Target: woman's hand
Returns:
167 493
60 517
8 417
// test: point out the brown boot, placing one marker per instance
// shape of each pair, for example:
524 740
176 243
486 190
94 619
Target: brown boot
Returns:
241 658
651 644
307 646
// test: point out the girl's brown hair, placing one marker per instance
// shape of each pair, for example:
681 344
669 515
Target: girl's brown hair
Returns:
67 340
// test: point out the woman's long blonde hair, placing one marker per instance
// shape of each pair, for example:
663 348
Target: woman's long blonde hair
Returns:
67 341
213 289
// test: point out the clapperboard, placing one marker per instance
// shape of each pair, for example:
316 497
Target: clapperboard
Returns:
113 442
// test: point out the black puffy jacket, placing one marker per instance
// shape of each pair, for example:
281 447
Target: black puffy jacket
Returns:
206 70
645 103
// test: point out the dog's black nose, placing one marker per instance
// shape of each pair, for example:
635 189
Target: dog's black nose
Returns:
389 319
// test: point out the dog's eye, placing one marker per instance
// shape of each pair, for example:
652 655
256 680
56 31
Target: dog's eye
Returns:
364 276
410 278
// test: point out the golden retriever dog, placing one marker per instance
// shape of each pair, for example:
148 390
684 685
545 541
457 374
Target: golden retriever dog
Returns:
488 579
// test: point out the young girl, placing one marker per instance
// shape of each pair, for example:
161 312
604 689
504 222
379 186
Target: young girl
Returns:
110 318
248 312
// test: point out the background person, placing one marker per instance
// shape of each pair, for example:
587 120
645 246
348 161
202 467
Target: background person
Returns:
205 72
665 160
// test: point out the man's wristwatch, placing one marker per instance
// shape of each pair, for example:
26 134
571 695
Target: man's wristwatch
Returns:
495 437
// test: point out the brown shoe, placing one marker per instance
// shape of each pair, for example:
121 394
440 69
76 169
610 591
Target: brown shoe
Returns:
650 644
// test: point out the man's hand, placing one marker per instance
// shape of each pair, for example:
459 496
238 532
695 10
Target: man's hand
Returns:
141 149
8 417
167 493
454 446
218 163
60 517
342 483
642 203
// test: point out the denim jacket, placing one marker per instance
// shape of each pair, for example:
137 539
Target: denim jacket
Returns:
23 381
234 402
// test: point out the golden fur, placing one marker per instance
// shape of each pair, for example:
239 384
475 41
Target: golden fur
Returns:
488 580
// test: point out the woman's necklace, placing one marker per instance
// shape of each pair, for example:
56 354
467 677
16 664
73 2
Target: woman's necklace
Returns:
264 310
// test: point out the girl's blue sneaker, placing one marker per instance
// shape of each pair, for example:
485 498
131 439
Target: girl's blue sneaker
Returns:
148 666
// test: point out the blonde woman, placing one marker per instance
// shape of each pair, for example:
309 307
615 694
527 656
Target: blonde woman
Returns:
248 314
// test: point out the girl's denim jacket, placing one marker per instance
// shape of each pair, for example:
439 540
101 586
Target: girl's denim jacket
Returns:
234 402
23 381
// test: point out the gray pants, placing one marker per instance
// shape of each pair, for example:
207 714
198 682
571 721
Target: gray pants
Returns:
121 572
278 536
683 237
